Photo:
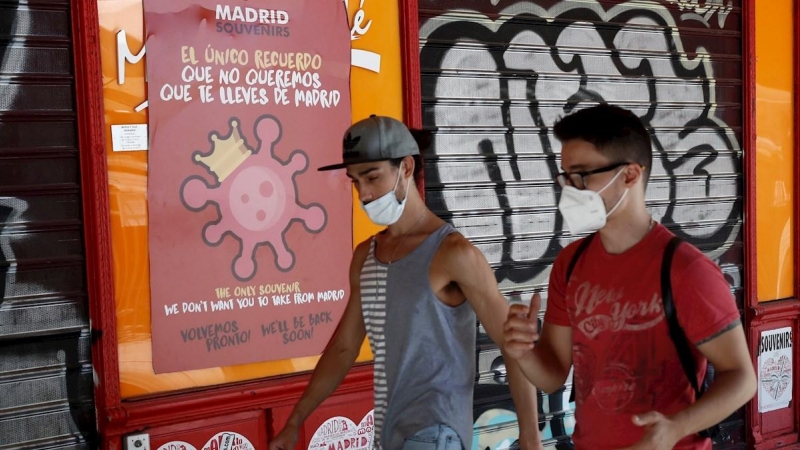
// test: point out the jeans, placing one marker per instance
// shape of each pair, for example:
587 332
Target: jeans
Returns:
437 437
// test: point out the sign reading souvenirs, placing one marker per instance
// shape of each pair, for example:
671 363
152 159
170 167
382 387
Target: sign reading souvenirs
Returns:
775 370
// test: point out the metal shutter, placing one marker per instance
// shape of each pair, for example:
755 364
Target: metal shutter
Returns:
45 367
496 75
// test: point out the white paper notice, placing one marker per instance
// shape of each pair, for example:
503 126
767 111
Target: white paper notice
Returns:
128 138
775 370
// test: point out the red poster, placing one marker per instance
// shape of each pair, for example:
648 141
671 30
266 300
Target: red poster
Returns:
249 244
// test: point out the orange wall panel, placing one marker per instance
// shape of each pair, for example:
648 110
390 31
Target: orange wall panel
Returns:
775 149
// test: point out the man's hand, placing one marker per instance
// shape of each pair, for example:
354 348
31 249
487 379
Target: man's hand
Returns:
521 329
534 443
661 432
286 439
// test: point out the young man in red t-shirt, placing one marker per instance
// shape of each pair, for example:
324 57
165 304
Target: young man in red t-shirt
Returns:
608 319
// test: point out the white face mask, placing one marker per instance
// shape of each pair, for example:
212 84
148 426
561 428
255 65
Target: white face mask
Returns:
584 210
386 210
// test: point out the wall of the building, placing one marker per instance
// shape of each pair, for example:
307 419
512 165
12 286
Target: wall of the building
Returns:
773 201
46 389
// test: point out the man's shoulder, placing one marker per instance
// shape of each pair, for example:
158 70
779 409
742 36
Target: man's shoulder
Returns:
455 241
456 252
455 245
688 256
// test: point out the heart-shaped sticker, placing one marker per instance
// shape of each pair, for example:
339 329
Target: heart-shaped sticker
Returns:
228 440
776 375
341 433
177 445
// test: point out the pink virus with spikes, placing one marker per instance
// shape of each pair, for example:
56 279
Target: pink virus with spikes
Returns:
255 195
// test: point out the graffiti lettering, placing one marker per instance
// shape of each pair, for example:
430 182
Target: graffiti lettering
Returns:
493 84
705 11
691 143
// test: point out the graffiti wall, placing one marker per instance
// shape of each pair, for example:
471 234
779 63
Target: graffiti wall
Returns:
45 366
495 80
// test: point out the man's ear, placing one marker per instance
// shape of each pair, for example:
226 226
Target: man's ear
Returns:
633 173
408 166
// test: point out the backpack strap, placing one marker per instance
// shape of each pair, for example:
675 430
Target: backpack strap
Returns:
676 332
577 256
581 248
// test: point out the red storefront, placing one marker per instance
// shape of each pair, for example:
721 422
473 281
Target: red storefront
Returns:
112 270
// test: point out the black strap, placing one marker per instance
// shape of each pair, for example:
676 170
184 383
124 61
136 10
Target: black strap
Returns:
581 248
676 332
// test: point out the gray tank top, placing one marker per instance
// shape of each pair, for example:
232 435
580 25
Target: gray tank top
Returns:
424 350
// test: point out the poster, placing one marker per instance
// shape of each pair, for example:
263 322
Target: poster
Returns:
775 370
249 244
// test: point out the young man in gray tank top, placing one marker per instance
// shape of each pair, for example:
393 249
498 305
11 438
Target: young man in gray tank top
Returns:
415 291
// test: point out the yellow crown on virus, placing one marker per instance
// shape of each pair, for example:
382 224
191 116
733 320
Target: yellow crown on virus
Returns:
227 154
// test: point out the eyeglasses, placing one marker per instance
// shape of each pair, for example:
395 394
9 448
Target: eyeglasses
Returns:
578 179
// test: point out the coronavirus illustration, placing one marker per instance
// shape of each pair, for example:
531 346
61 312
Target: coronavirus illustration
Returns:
255 194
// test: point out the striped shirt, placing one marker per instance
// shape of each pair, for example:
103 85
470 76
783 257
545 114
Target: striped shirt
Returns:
424 368
373 305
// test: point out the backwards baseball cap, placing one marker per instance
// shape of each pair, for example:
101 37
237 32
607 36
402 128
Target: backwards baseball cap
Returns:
377 138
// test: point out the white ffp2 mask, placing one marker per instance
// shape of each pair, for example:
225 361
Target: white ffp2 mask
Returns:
584 210
386 210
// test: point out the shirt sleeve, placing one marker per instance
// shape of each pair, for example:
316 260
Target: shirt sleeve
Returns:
703 299
556 312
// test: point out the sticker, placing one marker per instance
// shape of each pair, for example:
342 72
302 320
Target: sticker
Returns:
228 440
775 370
341 433
128 138
177 445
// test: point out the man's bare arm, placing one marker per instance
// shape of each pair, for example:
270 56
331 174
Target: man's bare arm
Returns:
733 386
545 363
336 360
734 381
475 278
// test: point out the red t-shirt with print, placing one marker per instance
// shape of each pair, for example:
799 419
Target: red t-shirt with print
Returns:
624 360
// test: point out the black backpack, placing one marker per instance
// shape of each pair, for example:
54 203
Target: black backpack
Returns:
676 332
